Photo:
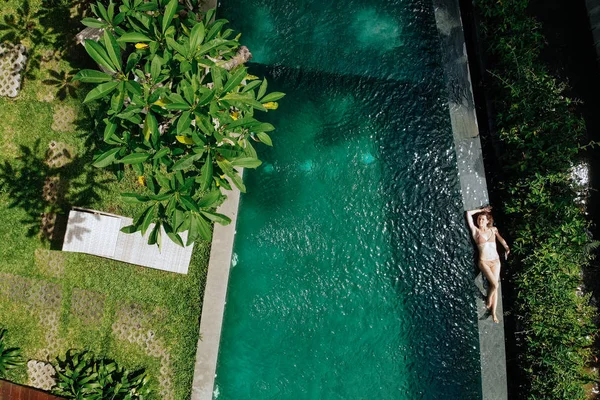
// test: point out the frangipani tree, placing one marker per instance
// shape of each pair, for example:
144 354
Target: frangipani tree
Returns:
180 110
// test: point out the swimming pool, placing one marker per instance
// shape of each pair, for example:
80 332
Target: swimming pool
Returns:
352 269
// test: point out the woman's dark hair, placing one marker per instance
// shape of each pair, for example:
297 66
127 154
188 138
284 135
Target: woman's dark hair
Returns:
489 217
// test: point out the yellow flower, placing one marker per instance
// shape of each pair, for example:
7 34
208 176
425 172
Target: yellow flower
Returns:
184 139
272 105
222 176
142 180
141 46
235 115
160 103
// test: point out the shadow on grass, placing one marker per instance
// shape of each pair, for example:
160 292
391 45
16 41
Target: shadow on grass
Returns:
49 33
46 183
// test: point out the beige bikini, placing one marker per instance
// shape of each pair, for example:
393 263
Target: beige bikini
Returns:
485 249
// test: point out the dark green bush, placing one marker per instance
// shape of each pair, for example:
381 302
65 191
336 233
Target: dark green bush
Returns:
9 357
82 376
541 135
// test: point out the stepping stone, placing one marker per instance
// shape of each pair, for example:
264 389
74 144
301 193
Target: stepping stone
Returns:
41 375
12 62
88 306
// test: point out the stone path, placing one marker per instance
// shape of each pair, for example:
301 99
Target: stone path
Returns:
12 63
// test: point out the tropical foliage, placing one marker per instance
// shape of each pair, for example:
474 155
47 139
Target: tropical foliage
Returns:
178 107
9 357
82 376
540 135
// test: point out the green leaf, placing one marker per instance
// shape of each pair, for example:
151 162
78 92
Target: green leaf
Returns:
263 127
183 123
161 153
246 121
155 67
135 158
150 126
207 173
93 23
186 162
216 217
198 227
99 55
134 37
172 235
209 199
235 80
92 76
134 198
155 235
206 97
274 96
246 162
109 130
189 203
100 91
196 36
148 217
177 47
217 76
213 44
134 88
169 14
245 98
231 173
113 49
262 90
218 24
250 86
106 158
264 138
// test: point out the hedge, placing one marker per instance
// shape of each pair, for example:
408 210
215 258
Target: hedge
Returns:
540 137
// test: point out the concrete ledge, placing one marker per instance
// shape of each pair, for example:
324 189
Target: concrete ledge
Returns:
473 185
213 306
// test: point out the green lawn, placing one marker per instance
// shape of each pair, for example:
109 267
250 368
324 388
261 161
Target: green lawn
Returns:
52 301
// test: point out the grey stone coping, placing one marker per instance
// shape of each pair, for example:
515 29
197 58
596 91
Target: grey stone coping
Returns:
473 185
215 294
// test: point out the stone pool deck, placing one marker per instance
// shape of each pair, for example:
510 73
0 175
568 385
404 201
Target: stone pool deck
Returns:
215 294
473 185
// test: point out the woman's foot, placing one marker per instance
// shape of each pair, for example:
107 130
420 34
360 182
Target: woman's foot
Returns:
495 318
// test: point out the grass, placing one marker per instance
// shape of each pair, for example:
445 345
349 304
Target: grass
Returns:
168 305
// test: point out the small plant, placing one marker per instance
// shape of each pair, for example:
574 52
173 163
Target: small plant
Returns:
9 357
82 376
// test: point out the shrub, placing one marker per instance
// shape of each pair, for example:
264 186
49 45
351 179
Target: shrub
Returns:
180 110
540 133
9 357
82 375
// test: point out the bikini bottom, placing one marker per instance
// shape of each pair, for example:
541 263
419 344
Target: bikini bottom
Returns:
491 264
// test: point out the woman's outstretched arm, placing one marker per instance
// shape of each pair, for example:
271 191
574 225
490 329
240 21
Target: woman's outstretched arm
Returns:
504 244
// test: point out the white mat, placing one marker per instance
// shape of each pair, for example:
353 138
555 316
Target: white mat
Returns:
97 233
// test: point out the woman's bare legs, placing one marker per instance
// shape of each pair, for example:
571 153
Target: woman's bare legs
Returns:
492 274
496 271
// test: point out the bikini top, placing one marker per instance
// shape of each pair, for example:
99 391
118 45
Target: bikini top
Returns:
491 241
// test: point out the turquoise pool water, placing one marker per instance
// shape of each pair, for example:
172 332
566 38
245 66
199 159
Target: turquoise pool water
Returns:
352 269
